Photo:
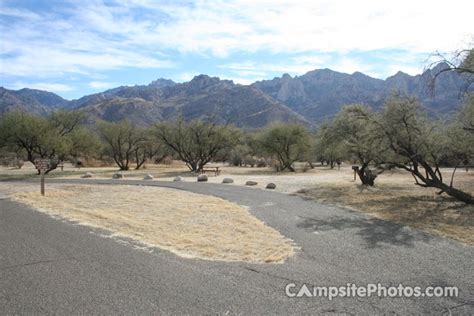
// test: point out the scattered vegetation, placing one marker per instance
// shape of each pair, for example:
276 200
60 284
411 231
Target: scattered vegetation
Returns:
398 136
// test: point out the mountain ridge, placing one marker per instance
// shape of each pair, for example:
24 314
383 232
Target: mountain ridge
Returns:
308 99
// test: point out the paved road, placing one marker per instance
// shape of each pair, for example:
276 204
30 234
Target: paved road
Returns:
49 266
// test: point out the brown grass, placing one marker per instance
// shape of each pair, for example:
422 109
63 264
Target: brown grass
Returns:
396 198
187 224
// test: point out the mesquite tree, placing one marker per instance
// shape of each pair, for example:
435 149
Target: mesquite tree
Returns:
196 143
33 136
327 146
417 144
360 141
287 143
122 140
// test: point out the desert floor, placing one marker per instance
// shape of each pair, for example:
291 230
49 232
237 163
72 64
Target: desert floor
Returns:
394 197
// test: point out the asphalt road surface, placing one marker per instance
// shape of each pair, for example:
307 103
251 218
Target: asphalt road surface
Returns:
51 266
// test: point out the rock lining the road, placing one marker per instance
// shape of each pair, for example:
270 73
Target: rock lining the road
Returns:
227 180
202 178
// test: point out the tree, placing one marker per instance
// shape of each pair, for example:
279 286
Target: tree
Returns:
461 61
84 142
328 146
466 114
196 143
40 137
287 143
360 140
416 144
123 140
149 148
459 138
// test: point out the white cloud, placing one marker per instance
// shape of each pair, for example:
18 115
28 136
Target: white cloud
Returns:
301 26
93 37
101 84
185 76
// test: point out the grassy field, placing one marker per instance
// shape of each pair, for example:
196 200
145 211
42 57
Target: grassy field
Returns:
394 197
187 224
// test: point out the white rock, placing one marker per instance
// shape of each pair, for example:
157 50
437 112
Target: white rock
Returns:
178 179
87 175
202 178
148 177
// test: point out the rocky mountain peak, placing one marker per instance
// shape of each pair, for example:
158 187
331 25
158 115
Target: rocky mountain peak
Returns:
162 83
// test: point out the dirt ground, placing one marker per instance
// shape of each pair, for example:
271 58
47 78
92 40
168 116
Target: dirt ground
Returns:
394 197
187 224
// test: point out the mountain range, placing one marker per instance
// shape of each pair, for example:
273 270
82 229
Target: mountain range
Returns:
308 99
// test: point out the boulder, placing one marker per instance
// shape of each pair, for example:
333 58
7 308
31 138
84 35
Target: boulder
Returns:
271 186
228 180
117 175
148 177
178 179
87 175
251 183
202 178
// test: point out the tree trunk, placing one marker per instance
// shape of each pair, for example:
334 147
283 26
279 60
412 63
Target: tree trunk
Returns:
289 167
367 177
456 193
460 195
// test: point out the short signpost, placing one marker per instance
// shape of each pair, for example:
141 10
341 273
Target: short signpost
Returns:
355 168
42 165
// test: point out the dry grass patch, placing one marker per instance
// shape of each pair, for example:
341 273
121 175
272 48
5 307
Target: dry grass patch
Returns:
187 224
395 198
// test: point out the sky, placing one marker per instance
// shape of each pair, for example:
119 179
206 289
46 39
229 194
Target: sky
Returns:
78 47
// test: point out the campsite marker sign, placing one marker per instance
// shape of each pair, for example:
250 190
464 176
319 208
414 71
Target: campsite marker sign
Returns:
42 165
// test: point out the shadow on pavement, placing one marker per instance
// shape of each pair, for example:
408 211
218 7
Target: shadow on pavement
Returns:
373 231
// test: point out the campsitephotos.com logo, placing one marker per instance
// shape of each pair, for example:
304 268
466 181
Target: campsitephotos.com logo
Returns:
378 290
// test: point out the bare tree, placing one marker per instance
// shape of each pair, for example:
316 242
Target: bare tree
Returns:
196 143
461 61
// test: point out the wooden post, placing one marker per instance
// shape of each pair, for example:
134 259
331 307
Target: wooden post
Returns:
42 165
355 168
42 182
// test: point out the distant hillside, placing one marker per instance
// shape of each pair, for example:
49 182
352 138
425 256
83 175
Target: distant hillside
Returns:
203 97
308 99
30 100
320 94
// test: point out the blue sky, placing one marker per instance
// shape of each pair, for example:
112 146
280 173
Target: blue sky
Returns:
75 48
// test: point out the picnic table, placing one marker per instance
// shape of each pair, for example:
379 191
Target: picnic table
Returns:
211 169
